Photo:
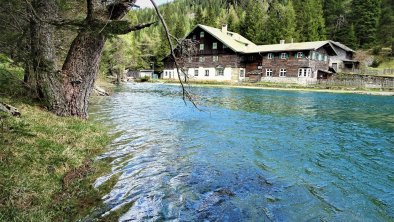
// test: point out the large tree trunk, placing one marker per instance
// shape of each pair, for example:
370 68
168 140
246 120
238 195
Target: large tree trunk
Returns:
79 72
66 91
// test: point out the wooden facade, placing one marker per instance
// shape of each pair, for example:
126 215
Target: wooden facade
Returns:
223 55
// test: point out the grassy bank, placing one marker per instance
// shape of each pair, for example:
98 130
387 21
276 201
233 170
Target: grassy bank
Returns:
47 162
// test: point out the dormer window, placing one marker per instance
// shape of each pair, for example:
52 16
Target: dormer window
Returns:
270 56
202 34
283 55
215 45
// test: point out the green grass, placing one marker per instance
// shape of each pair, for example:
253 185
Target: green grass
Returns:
47 165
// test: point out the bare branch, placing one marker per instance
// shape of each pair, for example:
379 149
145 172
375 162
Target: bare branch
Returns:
185 93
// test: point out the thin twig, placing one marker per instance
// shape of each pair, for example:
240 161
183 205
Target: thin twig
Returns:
185 93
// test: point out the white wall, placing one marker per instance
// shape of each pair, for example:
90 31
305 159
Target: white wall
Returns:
298 80
172 74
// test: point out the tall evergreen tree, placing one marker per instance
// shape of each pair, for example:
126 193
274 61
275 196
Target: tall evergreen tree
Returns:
310 21
233 20
365 16
281 22
386 25
253 24
335 17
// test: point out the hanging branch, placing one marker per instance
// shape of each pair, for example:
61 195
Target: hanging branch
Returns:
185 93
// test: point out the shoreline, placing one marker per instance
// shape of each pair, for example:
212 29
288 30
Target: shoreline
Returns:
343 91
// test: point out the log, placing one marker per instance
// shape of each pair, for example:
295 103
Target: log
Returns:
100 91
9 109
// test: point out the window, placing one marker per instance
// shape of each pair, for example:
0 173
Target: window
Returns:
304 72
196 72
283 55
207 72
215 45
220 72
282 72
202 59
242 73
201 46
215 58
325 58
202 34
268 72
225 46
270 55
165 73
300 55
190 59
320 57
194 37
316 56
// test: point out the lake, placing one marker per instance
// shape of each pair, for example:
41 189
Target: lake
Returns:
248 155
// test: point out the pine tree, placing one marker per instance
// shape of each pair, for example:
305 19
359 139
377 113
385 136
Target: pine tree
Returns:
386 25
310 21
233 20
365 15
281 23
335 17
253 24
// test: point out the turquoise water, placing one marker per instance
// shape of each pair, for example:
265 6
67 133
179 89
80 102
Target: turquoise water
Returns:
249 155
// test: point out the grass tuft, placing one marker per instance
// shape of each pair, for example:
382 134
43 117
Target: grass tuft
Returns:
47 163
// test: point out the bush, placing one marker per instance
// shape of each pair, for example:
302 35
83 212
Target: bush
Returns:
144 79
376 50
376 62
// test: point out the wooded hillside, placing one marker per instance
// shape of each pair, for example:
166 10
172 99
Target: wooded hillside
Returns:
357 23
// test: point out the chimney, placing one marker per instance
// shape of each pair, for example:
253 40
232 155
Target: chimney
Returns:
282 42
224 28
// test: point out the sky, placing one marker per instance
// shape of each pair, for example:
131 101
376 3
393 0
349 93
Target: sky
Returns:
146 3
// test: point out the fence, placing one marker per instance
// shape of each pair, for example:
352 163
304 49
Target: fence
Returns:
374 72
378 83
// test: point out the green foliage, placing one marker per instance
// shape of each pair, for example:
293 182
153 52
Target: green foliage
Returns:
263 22
310 20
252 26
46 170
365 16
281 23
386 25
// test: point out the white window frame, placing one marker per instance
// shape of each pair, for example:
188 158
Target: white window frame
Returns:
270 56
196 72
282 72
215 45
202 34
207 72
283 55
300 55
269 72
304 72
215 58
201 59
201 47
242 73
219 72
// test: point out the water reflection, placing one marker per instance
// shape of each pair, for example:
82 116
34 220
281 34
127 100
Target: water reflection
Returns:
251 155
